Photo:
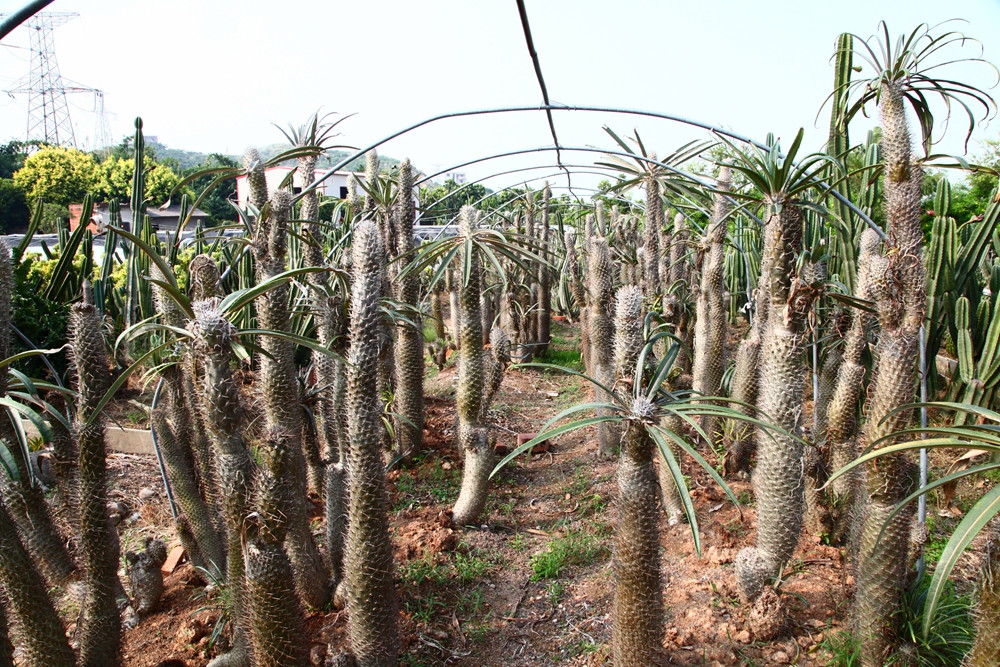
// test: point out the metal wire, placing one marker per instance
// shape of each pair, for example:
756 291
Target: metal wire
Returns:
562 107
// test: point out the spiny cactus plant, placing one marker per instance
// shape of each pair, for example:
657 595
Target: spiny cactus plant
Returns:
602 335
42 635
409 357
368 563
144 574
544 312
710 322
280 391
637 621
778 478
235 470
842 422
651 240
899 78
274 617
473 394
100 625
173 422
24 496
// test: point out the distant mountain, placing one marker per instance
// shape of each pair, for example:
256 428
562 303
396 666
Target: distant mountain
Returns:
188 159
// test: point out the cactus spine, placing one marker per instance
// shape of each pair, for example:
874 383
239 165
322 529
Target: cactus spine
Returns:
409 338
777 478
100 627
368 564
475 380
899 290
710 322
637 621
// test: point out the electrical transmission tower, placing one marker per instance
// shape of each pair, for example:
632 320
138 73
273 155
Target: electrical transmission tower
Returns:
48 111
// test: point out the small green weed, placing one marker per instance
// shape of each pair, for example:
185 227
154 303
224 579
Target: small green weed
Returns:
575 548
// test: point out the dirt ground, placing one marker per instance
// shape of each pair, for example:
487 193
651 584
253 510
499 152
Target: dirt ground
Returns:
532 585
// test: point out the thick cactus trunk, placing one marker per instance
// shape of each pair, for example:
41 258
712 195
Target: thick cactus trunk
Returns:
778 476
472 436
25 500
544 312
842 410
600 277
273 612
899 293
710 319
409 339
235 470
680 279
100 626
368 564
42 636
637 619
986 649
282 405
651 240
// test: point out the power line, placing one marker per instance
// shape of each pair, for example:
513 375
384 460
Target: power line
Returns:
48 110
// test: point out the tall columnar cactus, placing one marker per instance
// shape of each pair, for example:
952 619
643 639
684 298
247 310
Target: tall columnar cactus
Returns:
409 337
637 621
901 302
332 426
680 279
42 636
777 478
24 496
600 277
273 614
579 293
710 322
544 312
654 219
842 412
282 406
473 394
368 564
235 470
100 627
986 650
173 423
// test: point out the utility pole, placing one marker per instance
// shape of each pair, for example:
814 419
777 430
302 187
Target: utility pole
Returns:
48 111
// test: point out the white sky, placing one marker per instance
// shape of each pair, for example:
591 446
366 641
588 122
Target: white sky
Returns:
213 76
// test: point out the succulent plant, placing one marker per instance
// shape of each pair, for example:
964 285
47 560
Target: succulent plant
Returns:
42 637
472 435
711 312
282 405
409 357
235 469
368 562
602 334
100 625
